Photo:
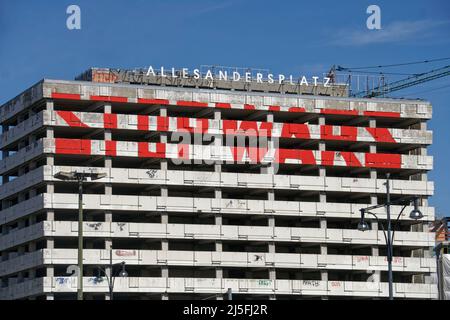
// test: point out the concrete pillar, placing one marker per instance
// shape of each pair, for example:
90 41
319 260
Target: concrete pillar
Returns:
421 227
271 249
271 223
50 215
32 165
5 154
323 251
108 186
5 178
218 141
50 271
50 243
20 250
50 187
108 160
423 151
21 171
218 244
108 216
164 193
108 246
4 255
6 204
272 274
164 218
32 193
322 147
21 224
164 243
323 199
323 246
373 148
270 196
49 105
31 139
31 273
50 133
163 135
375 250
50 160
164 272
373 201
31 246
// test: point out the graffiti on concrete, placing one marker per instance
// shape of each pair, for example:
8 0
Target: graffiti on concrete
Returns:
62 280
95 226
151 173
335 284
236 203
95 280
125 253
362 259
264 282
311 283
259 257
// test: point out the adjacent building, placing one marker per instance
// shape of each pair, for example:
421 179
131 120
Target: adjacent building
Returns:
192 214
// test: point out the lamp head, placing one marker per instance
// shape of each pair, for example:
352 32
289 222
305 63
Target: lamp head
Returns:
416 214
123 273
362 225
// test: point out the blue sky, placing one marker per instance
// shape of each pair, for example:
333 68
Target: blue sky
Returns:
298 37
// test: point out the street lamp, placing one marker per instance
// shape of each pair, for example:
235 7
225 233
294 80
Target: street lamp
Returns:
415 215
111 277
80 177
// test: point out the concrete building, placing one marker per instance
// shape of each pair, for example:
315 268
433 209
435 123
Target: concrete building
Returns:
229 219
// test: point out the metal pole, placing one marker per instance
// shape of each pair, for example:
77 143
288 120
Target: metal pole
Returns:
80 239
438 272
230 294
389 240
111 285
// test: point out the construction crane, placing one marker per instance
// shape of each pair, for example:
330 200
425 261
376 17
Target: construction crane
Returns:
385 87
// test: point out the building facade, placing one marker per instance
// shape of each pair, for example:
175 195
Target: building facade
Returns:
192 214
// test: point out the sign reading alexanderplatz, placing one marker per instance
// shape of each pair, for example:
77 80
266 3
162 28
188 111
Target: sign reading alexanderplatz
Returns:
207 75
229 75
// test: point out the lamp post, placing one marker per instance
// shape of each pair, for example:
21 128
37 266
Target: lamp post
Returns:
80 177
111 277
389 233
